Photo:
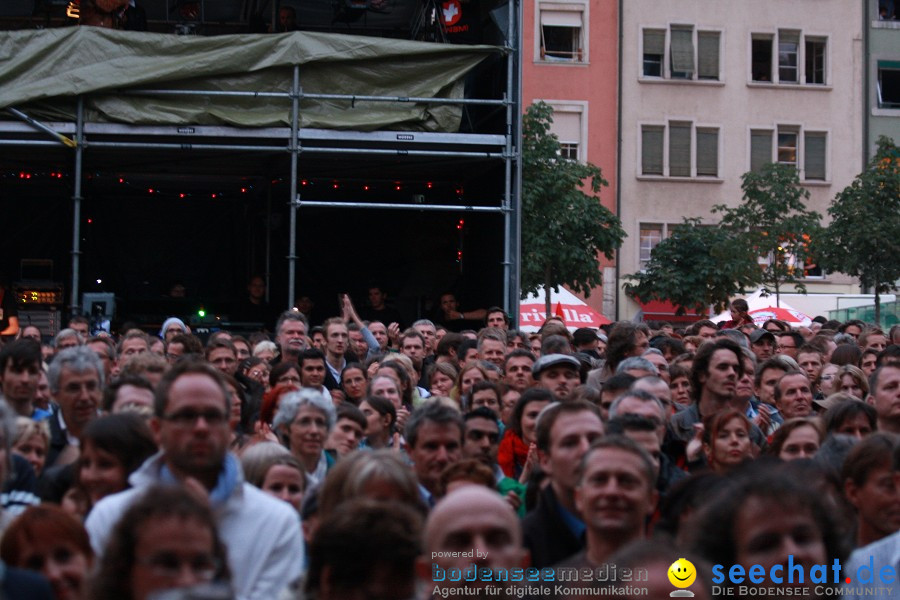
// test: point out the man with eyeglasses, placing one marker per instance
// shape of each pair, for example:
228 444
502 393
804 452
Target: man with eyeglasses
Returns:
262 534
76 382
789 343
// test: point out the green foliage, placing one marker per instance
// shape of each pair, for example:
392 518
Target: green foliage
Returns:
694 268
773 222
863 239
564 229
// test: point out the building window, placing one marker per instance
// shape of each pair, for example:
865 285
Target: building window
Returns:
562 32
761 58
652 149
814 156
803 150
707 152
888 84
679 150
692 55
708 55
568 150
654 50
794 264
815 61
788 53
682 52
794 50
569 127
787 147
760 149
651 235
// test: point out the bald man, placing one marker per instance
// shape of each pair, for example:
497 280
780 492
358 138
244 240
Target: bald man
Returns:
474 521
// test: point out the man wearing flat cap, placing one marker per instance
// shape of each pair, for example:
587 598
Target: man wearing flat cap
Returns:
557 373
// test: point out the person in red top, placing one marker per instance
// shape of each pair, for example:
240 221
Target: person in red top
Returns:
739 316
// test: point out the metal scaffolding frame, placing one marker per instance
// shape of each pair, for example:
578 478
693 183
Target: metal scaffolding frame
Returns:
486 147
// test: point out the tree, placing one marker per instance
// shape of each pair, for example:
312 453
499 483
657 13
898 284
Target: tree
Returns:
773 223
863 239
564 229
694 268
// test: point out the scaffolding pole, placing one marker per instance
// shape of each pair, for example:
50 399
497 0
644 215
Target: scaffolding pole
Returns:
76 207
398 206
268 238
295 198
512 216
507 173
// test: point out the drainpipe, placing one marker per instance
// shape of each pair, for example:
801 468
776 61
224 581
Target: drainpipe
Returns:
619 152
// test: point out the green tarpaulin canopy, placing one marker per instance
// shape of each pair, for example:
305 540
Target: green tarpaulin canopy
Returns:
42 72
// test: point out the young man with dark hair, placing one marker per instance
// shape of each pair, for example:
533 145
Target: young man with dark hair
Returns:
497 317
222 354
348 431
517 370
626 339
871 486
434 437
20 372
554 530
481 441
337 343
715 372
883 551
615 496
884 395
704 328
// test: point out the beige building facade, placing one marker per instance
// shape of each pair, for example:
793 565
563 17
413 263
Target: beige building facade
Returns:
712 89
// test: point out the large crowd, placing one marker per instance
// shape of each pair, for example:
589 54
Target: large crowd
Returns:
359 458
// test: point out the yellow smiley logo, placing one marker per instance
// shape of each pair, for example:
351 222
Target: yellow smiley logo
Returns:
682 573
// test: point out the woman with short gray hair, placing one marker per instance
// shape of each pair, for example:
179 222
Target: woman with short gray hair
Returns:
302 423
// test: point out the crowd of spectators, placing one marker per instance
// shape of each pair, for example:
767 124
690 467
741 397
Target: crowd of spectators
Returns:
355 458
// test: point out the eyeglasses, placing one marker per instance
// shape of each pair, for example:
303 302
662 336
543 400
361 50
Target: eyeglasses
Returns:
258 373
187 418
169 565
287 379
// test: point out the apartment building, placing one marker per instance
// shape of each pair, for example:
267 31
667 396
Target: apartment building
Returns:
713 89
882 69
569 60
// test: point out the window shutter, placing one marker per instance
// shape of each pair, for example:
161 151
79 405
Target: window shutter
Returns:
652 150
708 55
682 50
788 37
760 149
567 126
680 150
561 18
814 162
654 41
708 153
